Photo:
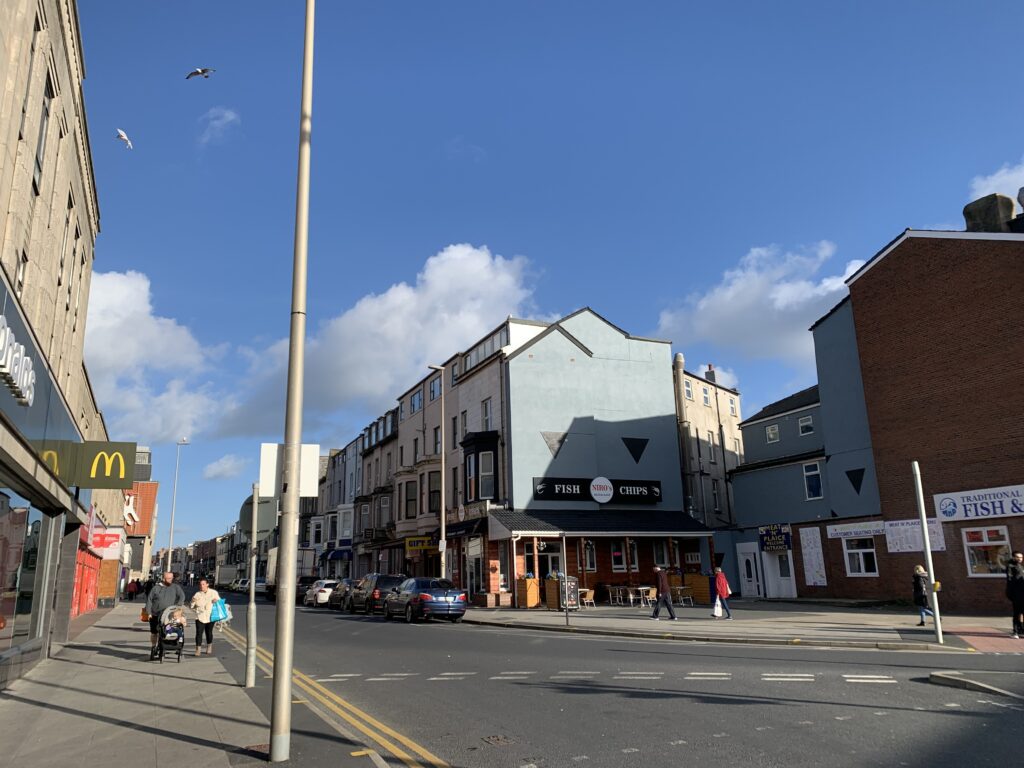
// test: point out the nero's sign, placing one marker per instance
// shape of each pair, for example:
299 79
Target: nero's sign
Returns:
982 504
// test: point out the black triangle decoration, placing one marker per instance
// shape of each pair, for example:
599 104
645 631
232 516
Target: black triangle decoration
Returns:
555 441
636 446
856 478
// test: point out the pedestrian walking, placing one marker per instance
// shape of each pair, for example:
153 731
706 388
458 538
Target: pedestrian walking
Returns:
722 592
664 594
202 604
130 590
161 597
1015 591
921 585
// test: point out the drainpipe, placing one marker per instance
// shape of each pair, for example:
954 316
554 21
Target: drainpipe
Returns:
681 424
725 465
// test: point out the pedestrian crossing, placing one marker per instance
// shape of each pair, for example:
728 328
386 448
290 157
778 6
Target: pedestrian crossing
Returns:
582 676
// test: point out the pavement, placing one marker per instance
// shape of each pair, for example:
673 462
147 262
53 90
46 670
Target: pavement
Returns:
765 622
99 701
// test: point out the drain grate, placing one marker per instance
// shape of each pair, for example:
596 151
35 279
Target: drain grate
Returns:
498 741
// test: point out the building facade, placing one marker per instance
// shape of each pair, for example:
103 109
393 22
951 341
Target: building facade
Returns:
49 220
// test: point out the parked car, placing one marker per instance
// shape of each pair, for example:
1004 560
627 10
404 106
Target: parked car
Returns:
243 586
305 582
425 598
319 592
368 595
339 596
233 586
261 587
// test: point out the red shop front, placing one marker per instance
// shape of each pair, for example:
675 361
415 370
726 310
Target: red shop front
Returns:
87 576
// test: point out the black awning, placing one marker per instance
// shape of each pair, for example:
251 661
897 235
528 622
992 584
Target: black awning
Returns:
598 523
465 528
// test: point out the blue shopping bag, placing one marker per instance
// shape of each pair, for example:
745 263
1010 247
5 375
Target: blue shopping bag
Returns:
220 611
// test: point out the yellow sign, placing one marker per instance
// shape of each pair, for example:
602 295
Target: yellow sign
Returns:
108 463
52 460
419 544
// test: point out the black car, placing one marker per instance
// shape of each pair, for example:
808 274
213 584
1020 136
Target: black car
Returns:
305 582
339 597
426 598
368 595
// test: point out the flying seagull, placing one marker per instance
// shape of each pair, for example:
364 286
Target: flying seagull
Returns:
122 136
200 72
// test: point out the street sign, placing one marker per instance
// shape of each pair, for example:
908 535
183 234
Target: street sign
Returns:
90 464
272 470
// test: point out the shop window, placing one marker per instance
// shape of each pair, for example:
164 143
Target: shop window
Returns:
661 554
487 475
589 556
619 556
860 557
20 549
987 551
812 481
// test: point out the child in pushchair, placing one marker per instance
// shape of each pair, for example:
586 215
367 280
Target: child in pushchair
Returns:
172 632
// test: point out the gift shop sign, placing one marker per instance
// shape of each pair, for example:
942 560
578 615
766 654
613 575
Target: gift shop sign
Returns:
982 504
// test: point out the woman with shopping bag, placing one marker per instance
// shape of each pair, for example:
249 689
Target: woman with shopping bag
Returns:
203 603
722 593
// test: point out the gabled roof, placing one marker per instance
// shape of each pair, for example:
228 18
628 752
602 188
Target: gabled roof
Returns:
556 327
802 399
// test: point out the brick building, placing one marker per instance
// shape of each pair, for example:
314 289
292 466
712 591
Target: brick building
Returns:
939 333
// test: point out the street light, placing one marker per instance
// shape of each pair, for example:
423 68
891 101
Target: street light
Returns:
174 499
442 543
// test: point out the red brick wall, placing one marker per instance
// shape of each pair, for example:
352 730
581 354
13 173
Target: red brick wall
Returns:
940 331
145 506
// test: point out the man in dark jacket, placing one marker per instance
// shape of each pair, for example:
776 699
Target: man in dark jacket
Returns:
664 594
161 597
1015 591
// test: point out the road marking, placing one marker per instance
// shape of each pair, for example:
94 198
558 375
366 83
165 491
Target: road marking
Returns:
877 677
508 677
383 679
677 742
577 672
331 679
630 750
786 678
572 677
362 721
636 677
865 679
518 673
348 674
453 674
446 678
399 674
709 676
579 758
844 717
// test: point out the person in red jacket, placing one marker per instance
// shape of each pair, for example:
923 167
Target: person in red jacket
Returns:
722 591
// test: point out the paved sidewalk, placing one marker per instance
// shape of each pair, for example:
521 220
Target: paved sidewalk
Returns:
101 702
773 623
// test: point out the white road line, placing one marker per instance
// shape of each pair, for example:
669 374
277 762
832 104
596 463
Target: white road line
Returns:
576 672
519 672
710 674
331 680
399 674
349 674
453 674
446 678
572 677
867 680
787 679
877 677
383 679
508 677
635 677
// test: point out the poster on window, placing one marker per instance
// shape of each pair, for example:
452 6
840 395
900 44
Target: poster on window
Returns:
814 558
905 536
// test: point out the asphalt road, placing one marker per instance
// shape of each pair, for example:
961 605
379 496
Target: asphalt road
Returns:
477 696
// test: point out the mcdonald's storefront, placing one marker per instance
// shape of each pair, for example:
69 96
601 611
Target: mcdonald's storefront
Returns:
46 576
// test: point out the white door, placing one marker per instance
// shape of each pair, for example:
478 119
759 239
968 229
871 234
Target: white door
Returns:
750 571
778 574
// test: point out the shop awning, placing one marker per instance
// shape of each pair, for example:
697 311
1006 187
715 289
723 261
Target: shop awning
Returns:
472 527
516 522
338 554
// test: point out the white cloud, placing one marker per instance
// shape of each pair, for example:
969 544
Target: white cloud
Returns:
458 148
226 467
216 122
725 376
369 354
762 308
125 345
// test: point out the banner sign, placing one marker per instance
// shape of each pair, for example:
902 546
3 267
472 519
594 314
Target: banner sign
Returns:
856 530
984 504
90 464
814 558
599 489
905 536
775 538
420 544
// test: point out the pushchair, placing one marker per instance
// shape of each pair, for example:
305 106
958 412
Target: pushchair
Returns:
171 639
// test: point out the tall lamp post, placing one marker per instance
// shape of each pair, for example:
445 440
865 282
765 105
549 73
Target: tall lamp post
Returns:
442 543
174 499
284 628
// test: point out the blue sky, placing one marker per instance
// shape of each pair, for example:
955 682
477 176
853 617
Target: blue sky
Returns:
691 171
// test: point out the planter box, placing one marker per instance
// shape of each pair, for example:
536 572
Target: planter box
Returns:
493 600
528 593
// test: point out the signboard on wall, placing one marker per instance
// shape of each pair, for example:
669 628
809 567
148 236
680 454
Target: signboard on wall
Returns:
905 536
856 530
813 557
984 504
90 464
775 538
599 489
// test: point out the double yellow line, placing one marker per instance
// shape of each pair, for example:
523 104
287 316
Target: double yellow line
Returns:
383 735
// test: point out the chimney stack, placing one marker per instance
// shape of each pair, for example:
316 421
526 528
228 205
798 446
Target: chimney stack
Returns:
992 213
710 374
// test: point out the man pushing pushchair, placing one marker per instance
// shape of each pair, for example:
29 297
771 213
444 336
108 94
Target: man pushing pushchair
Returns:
163 596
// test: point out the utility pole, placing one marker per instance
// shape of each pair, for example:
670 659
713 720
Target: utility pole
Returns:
442 544
927 544
284 631
250 616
